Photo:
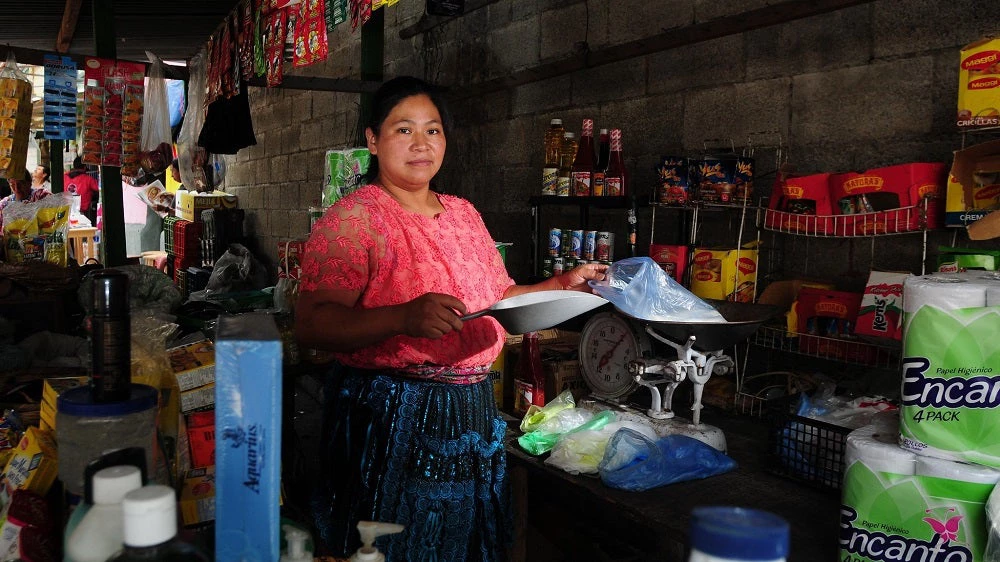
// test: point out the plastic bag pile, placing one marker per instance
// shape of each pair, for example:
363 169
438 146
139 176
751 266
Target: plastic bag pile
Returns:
640 288
627 455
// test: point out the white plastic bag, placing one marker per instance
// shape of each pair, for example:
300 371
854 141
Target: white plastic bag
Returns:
155 141
191 158
640 288
581 452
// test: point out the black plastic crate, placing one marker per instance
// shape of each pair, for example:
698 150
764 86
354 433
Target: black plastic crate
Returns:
804 449
222 228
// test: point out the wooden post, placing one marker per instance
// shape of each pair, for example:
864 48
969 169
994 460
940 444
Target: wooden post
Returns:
372 60
112 204
56 165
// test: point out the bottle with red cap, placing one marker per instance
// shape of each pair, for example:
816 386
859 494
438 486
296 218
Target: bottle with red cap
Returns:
583 165
603 155
616 178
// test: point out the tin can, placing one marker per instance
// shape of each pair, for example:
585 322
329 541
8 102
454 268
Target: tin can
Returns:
569 263
576 244
557 266
602 246
588 244
611 246
315 213
547 267
567 235
555 241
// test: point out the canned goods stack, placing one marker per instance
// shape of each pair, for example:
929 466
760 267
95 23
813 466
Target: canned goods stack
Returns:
568 248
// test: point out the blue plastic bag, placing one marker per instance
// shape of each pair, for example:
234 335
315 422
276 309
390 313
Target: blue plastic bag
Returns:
640 288
633 462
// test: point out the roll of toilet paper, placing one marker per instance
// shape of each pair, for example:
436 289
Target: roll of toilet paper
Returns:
877 447
951 367
956 471
944 291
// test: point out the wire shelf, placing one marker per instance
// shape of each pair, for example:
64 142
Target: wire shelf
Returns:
855 352
904 220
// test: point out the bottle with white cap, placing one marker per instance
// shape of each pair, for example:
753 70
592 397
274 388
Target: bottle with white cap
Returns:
371 530
151 528
99 534
736 534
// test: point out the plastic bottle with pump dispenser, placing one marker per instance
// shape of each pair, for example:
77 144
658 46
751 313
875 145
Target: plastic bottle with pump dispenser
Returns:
371 530
151 528
100 533
296 540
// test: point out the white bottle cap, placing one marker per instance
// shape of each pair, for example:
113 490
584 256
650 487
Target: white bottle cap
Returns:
112 483
555 122
150 515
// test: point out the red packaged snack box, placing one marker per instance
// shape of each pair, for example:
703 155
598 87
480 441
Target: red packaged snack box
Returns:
825 322
801 204
888 200
882 305
201 436
673 259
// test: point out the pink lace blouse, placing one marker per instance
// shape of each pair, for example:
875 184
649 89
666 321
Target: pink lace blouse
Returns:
368 242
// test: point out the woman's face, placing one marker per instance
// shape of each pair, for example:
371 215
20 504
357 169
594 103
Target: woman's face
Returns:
410 144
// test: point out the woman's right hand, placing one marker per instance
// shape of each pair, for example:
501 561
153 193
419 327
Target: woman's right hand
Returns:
432 315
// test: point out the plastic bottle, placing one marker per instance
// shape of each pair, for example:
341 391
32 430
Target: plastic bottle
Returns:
296 550
100 534
111 375
553 149
151 528
529 368
616 179
736 534
583 164
371 530
564 181
601 168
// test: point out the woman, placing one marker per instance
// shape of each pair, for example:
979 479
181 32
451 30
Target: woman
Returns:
412 434
40 179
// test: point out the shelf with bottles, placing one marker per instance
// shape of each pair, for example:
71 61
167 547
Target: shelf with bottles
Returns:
599 202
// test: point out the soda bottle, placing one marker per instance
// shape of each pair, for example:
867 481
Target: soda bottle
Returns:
553 148
600 170
564 181
529 370
616 179
583 164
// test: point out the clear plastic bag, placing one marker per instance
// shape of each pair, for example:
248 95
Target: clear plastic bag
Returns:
641 289
537 415
580 452
634 462
569 421
191 158
236 270
157 151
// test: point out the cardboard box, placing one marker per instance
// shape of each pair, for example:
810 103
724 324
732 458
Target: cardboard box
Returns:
290 258
200 397
725 274
801 204
973 184
673 259
34 465
193 364
248 387
190 204
197 501
979 85
888 200
201 438
53 387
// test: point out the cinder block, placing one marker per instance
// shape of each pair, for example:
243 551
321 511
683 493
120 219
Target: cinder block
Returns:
521 9
323 104
498 15
544 95
823 42
648 123
272 143
262 171
290 138
279 168
313 162
635 19
297 164
562 30
734 111
253 197
889 99
599 31
719 61
278 223
509 142
708 10
298 224
309 195
514 45
272 197
616 81
930 25
315 133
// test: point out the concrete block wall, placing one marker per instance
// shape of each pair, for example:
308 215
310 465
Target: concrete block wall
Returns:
870 85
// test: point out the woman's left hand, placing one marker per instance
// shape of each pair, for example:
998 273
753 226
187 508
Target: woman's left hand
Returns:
576 278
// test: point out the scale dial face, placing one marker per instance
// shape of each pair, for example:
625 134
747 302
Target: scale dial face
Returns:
607 344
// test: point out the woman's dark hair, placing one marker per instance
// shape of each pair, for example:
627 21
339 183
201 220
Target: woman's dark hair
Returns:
389 95
45 170
78 163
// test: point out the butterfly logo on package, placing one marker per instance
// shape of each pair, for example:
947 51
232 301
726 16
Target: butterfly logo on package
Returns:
254 439
947 529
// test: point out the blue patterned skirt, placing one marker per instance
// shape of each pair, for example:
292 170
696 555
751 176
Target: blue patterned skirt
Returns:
426 455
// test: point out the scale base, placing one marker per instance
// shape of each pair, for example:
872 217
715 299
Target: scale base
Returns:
708 434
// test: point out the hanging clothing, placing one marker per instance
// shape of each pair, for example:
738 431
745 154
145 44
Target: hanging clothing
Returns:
228 125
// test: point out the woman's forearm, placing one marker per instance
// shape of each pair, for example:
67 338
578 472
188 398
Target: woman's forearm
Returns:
335 327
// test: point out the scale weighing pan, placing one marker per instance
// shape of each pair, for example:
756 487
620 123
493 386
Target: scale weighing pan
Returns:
742 320
540 310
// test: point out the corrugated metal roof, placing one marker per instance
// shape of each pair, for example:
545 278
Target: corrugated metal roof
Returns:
173 29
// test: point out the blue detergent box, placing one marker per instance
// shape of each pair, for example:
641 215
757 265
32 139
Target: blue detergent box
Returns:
248 438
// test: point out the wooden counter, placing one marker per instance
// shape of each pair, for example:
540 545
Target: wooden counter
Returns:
559 516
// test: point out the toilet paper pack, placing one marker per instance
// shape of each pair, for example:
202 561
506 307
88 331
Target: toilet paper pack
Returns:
900 507
951 368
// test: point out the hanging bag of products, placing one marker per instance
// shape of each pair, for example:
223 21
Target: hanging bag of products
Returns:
15 119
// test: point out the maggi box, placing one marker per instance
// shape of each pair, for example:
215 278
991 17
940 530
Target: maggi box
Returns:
888 200
973 184
801 204
826 321
248 437
979 84
725 274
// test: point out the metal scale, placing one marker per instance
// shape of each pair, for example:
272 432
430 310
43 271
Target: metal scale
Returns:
618 357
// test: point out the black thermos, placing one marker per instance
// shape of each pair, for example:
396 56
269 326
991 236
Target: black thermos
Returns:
111 342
